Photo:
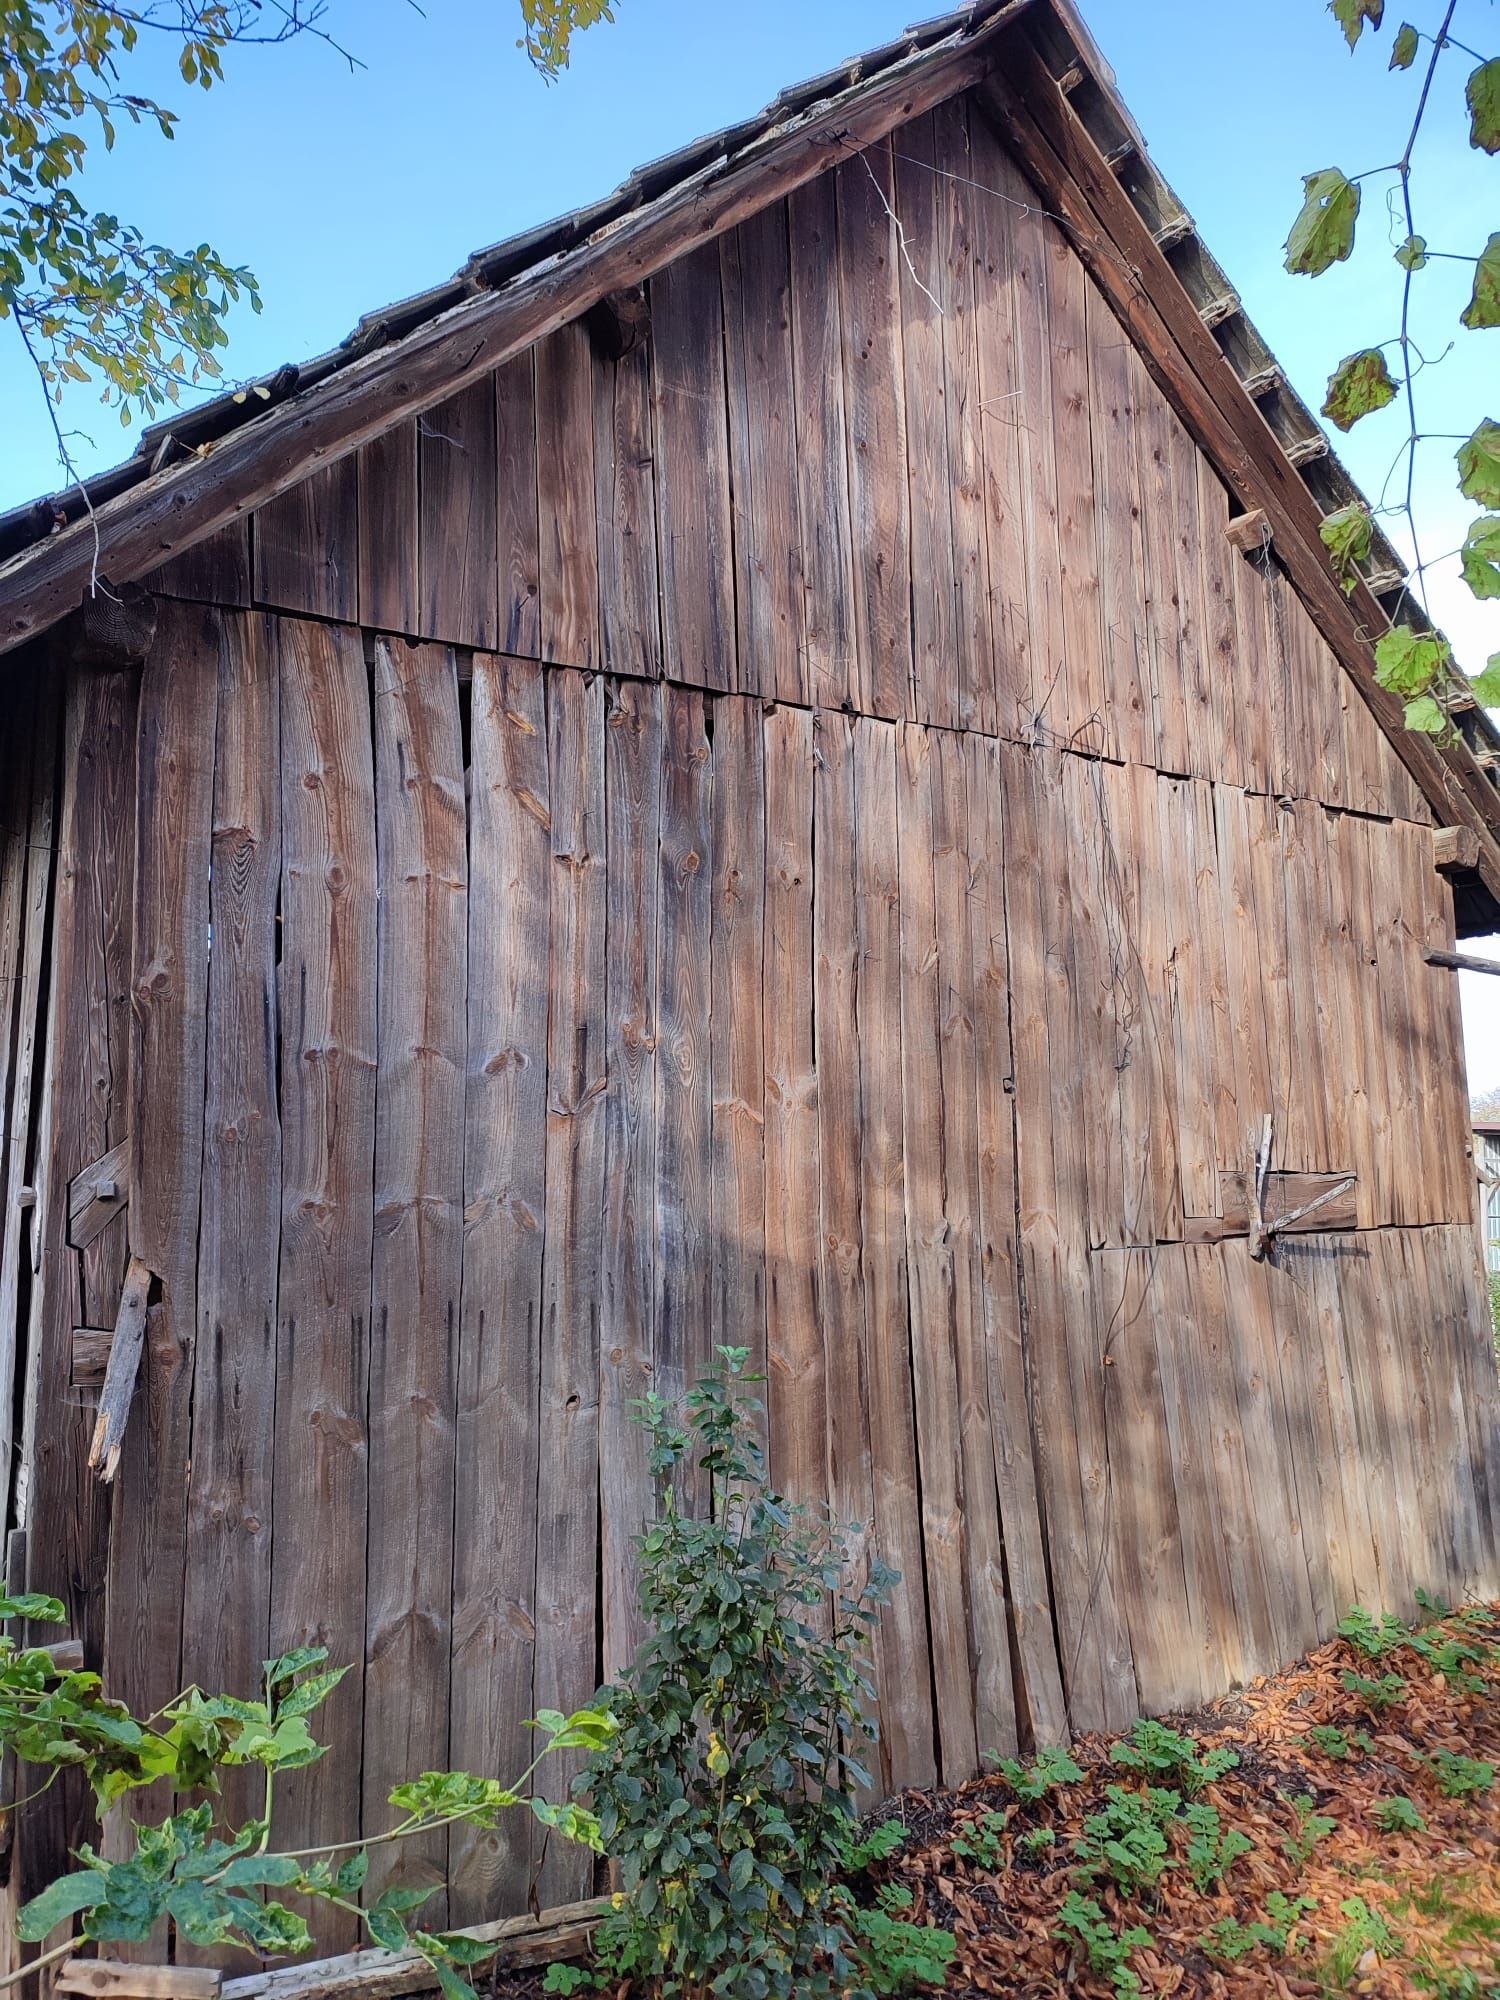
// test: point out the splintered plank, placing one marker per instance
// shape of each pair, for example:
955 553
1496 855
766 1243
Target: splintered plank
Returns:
906 1747
568 1464
505 1119
830 674
387 475
227 1594
565 456
738 839
625 506
174 829
840 1278
684 1070
930 1261
632 806
422 862
984 1561
1129 712
1039 1693
879 504
924 292
797 1388
306 544
691 428
517 522
328 1061
457 580
78 1100
764 453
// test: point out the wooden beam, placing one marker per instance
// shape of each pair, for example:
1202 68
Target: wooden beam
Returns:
120 1373
553 1936
619 322
98 1195
180 506
1249 533
1286 1203
114 1979
1048 140
1455 850
91 1345
1462 961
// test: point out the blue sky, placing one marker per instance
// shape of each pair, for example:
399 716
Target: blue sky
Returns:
344 190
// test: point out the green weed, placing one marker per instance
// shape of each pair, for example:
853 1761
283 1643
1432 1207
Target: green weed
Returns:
1053 1767
1108 1952
1312 1826
1399 1815
1158 1752
1210 1852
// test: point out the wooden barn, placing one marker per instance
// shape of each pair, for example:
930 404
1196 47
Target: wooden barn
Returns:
778 762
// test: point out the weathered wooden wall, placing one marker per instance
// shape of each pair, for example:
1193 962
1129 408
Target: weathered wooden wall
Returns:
808 837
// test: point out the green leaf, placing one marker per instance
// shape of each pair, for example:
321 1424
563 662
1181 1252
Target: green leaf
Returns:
1482 93
261 1871
387 1929
1479 465
1408 662
1483 308
454 1985
351 1876
59 1900
1351 16
1404 50
1360 385
1480 556
311 1693
1346 536
1323 233
1412 254
32 1604
1485 687
1425 716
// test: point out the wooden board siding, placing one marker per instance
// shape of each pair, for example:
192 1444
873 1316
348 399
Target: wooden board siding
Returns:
803 837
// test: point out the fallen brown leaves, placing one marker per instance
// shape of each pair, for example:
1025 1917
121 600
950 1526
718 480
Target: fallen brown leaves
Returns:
1436 1891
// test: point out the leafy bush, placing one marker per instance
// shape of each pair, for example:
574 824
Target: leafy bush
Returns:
209 1879
721 1795
1339 1743
1312 1826
1108 1952
1127 1840
1158 1752
1460 1777
1399 1815
1373 1639
981 1843
1211 1852
895 1955
1230 1940
869 1844
1053 1767
1376 1695
1037 1841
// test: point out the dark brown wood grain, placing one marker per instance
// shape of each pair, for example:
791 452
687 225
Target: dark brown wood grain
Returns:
306 545
457 480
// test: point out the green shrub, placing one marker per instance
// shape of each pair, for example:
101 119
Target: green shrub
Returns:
895 1955
1053 1767
1340 1743
1460 1777
1230 1940
1373 1639
1037 1841
1210 1852
980 1843
869 1844
1127 1840
1376 1695
1399 1815
1158 1752
722 1793
1108 1951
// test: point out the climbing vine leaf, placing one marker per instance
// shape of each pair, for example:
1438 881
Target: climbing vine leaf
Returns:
1323 233
1483 308
1404 49
1482 94
1346 536
1480 556
1479 465
1351 16
1360 385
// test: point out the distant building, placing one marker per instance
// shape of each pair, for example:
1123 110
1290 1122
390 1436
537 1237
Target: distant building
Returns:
1487 1164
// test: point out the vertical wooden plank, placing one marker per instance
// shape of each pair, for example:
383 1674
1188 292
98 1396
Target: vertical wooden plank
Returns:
691 426
306 545
755 270
738 842
174 829
1205 756
1130 715
1238 1137
1077 500
1303 1139
517 506
457 571
1223 643
684 1072
984 1560
956 249
1250 593
830 674
1039 1693
505 1122
625 507
1193 1055
567 1543
567 499
930 1262
879 505
903 1660
387 480
85 1083
422 881
632 805
797 1389
227 1594
1162 607
215 570
835 986
328 1063
924 288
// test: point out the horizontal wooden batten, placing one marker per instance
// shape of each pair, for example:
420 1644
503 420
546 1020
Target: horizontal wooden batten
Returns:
179 507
